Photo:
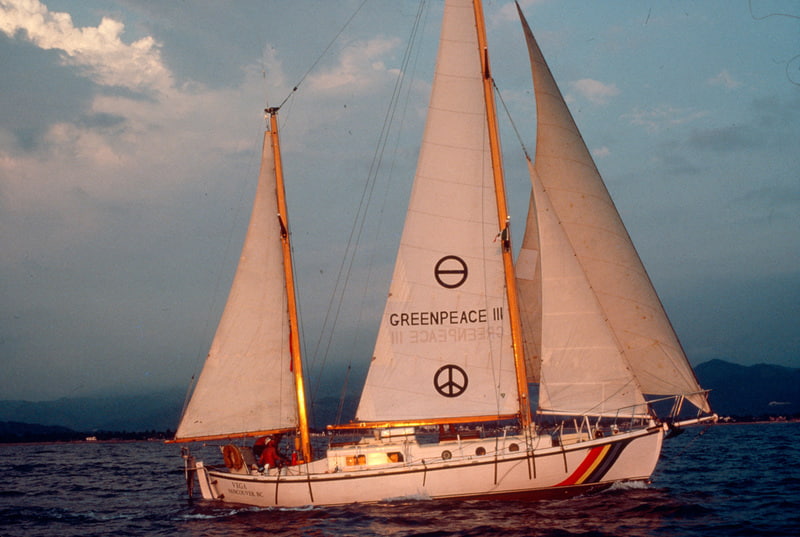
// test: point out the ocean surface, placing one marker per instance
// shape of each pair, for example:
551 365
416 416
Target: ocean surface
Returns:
726 480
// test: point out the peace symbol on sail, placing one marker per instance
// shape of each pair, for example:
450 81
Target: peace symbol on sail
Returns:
450 380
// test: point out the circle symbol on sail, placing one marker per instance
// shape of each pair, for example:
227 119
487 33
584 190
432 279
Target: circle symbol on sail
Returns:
450 271
450 380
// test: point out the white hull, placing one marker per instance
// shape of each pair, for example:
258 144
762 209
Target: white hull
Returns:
554 471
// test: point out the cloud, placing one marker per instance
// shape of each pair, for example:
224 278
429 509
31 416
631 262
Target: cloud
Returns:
118 145
98 51
135 138
660 117
724 79
360 67
126 149
594 90
601 152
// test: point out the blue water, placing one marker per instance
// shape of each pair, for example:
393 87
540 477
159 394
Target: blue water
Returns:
734 480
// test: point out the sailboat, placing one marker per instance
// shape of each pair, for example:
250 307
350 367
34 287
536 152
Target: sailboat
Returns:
446 411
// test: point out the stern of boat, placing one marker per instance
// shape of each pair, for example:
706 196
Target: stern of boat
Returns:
192 469
207 488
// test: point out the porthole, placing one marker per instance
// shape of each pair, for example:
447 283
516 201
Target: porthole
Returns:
513 448
480 451
446 455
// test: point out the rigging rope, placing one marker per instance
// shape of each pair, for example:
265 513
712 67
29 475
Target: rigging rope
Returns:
511 120
703 431
324 52
359 220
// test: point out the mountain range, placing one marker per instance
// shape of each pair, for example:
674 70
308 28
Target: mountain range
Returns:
743 391
751 391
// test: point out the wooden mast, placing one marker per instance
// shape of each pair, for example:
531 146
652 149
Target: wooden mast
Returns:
503 219
294 337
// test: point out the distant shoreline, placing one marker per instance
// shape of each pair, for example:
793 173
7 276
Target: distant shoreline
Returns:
91 442
758 422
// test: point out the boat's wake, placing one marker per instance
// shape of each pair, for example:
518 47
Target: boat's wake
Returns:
408 498
629 485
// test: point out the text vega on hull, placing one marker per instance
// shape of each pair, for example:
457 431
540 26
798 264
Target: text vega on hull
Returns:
465 328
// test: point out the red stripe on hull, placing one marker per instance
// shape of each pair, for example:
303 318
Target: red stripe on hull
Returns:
587 462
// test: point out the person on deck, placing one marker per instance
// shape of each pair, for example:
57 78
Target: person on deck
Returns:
270 457
259 445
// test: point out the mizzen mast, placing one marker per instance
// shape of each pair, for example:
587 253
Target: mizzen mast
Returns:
294 337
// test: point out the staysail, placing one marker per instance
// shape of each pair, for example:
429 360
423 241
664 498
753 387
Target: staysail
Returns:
444 347
247 384
566 178
582 369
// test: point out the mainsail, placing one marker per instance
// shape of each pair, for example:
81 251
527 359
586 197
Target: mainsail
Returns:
638 350
247 384
444 348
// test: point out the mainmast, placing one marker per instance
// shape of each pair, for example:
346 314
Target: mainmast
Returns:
503 219
294 337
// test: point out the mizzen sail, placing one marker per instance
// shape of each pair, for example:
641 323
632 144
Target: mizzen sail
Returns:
247 383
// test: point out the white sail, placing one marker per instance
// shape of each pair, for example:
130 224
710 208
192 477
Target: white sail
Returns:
582 368
247 383
529 288
444 343
602 247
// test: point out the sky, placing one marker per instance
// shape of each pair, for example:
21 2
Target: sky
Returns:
130 134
